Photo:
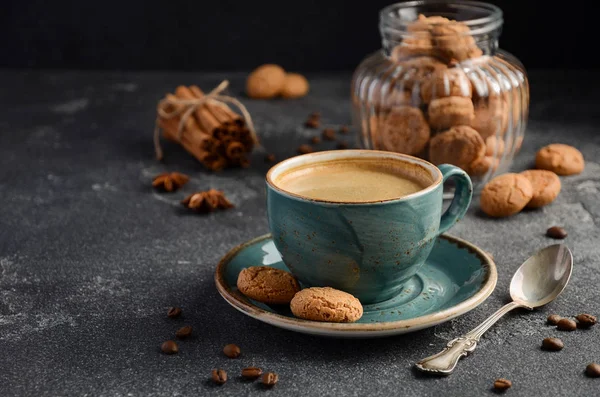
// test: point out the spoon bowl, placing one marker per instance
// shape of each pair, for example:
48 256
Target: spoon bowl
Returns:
542 277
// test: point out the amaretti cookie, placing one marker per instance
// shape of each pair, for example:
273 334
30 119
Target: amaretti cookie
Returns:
460 145
450 111
446 82
560 159
405 130
294 86
326 304
506 195
266 81
267 284
546 186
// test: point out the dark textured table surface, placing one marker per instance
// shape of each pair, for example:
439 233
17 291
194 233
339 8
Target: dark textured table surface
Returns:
91 257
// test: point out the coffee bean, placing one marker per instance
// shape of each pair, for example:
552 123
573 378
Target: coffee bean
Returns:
556 232
232 351
184 332
174 312
304 149
566 324
593 370
219 376
585 320
270 378
342 145
169 347
312 122
553 319
502 384
552 344
329 134
344 129
269 158
251 373
315 140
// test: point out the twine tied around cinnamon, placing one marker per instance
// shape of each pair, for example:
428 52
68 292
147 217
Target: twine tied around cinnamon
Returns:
186 107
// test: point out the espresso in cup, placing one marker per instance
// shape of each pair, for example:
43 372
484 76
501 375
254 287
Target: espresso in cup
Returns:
354 180
362 221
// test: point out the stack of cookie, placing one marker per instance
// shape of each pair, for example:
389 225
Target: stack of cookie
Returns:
510 193
442 101
277 287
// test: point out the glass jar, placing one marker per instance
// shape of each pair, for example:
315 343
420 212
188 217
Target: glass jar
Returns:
441 89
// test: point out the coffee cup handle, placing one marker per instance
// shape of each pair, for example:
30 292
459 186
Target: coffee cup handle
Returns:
462 196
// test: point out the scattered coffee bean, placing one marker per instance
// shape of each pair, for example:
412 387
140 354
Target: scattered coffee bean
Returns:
566 324
174 312
304 149
219 376
585 320
593 370
269 158
184 332
251 373
329 134
502 384
169 347
312 122
315 139
552 344
553 319
556 232
344 129
270 378
342 145
232 351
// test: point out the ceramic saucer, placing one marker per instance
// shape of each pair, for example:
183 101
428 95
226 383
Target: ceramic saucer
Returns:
456 278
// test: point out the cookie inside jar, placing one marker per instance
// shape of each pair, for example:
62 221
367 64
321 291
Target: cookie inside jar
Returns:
442 90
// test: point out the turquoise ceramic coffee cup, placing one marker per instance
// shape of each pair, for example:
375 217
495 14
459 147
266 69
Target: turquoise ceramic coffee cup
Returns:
369 249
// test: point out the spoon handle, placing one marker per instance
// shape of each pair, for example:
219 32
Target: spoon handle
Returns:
444 362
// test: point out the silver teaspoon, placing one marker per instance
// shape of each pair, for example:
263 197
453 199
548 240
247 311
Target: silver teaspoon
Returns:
538 281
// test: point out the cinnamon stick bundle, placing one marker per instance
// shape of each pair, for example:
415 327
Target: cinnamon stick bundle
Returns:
206 127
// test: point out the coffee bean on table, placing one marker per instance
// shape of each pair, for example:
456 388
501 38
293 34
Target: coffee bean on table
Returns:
585 320
593 370
329 134
344 129
315 139
169 347
251 373
342 145
553 319
184 332
556 232
219 376
502 384
304 149
174 312
269 158
552 344
313 120
270 378
232 351
566 324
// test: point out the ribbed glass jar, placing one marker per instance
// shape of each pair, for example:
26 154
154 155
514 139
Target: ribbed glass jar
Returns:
441 89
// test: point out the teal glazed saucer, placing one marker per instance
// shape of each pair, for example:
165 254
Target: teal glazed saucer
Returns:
455 279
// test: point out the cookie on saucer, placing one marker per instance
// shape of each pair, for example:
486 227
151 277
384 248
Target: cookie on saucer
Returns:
267 284
326 304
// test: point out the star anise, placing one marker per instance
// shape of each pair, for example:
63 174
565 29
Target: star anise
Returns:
207 201
170 182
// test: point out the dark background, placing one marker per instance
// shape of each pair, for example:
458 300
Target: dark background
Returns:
307 35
